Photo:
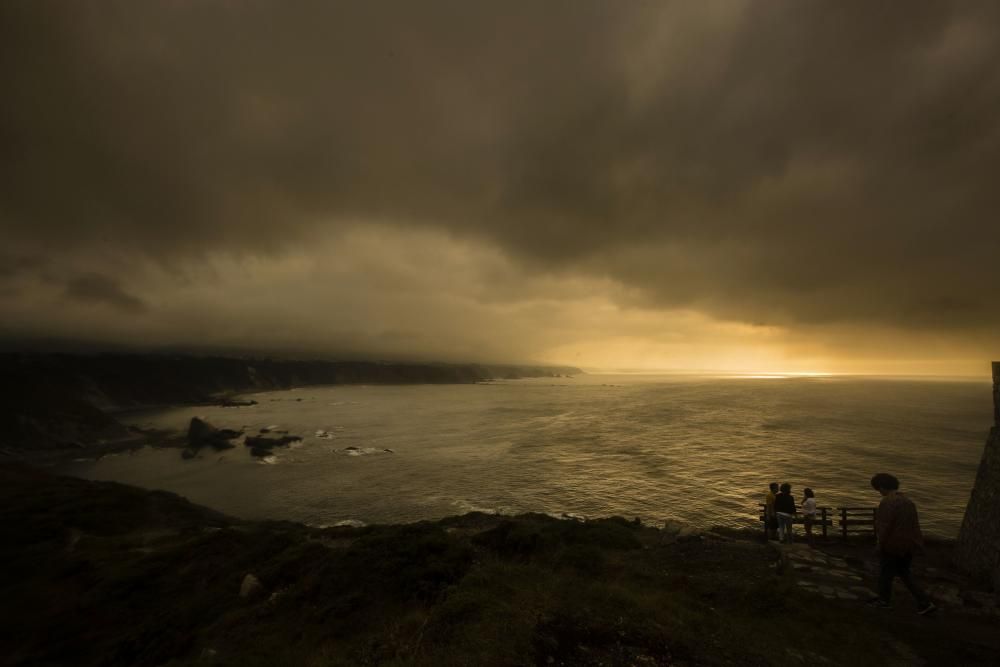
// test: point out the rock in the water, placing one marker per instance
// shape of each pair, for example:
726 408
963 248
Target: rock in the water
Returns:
365 451
223 443
188 453
250 587
236 403
201 433
283 441
260 446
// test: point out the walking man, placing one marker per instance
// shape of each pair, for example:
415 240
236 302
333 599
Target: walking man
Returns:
898 530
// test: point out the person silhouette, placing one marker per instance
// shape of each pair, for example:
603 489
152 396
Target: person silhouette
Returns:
770 518
784 508
897 528
809 512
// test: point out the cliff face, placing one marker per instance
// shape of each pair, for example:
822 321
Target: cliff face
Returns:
978 549
52 401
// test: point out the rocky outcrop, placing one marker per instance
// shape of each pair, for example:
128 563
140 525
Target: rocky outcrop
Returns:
261 446
202 434
236 403
978 549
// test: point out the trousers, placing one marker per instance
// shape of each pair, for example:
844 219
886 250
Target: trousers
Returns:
898 566
785 526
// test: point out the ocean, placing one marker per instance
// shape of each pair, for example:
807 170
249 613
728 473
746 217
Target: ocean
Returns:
697 449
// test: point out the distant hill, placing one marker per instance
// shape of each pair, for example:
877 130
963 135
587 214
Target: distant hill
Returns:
51 401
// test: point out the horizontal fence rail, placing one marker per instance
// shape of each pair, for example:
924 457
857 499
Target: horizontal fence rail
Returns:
850 519
854 518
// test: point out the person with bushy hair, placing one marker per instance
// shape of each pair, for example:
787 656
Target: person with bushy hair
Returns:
897 528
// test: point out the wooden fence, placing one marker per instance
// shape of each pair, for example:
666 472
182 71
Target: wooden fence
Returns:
850 519
855 518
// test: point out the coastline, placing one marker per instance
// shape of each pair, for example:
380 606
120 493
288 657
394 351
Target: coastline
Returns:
53 402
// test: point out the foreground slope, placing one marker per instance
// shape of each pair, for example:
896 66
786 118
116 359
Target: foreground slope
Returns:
99 573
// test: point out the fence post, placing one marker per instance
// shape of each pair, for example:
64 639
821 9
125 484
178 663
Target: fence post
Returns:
843 522
823 517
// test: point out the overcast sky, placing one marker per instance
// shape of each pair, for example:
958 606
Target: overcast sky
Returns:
800 186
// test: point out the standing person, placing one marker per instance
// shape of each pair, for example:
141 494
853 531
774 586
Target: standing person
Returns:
898 530
809 511
784 508
770 518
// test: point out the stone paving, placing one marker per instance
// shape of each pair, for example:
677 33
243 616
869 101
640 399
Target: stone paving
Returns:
833 577
820 573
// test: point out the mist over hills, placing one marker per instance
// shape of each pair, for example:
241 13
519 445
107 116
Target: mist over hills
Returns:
59 400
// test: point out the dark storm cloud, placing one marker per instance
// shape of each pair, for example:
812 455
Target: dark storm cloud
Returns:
95 288
14 266
780 162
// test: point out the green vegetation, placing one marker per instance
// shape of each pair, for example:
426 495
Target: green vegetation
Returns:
104 574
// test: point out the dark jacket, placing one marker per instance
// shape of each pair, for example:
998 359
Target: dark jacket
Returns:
784 502
897 526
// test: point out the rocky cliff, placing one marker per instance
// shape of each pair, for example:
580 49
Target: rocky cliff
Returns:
978 549
50 401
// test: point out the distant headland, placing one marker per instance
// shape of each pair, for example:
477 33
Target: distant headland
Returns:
68 401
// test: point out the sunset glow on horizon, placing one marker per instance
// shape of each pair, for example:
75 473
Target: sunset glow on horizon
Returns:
664 186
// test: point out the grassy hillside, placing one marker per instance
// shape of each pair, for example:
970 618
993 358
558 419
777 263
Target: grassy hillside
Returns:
104 574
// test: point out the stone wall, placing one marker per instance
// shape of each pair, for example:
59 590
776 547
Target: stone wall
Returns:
996 393
978 549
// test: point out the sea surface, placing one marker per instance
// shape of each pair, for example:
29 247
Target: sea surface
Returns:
697 449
